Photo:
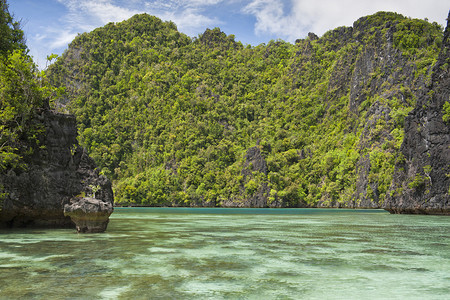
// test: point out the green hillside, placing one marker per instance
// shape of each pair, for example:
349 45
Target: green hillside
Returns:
182 121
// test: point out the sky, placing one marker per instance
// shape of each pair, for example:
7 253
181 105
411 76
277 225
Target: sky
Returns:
50 25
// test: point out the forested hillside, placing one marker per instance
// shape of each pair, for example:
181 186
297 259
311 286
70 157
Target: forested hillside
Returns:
182 121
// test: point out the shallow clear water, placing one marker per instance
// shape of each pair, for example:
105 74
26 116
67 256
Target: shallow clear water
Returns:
188 253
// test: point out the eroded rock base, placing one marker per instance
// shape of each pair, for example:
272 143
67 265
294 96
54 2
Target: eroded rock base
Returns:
89 215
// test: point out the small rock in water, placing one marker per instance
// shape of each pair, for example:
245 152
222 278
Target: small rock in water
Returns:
90 215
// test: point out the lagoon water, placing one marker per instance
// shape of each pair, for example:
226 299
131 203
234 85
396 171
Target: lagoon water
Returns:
204 253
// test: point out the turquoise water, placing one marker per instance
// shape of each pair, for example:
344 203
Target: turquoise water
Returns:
200 253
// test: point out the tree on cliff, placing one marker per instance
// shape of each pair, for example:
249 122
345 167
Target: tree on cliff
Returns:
23 90
11 36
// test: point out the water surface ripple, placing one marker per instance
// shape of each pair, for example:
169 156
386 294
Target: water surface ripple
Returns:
198 253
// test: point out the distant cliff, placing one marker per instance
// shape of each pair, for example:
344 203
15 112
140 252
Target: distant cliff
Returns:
54 174
348 119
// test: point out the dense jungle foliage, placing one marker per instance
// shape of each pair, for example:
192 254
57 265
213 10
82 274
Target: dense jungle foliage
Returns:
174 120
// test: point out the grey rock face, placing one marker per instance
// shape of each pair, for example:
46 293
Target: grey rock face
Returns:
255 162
55 174
90 215
421 179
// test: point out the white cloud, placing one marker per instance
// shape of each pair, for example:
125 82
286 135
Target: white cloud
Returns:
87 14
61 38
105 11
190 16
294 19
270 16
189 20
197 3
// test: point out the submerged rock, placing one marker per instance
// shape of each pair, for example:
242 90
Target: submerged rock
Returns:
90 215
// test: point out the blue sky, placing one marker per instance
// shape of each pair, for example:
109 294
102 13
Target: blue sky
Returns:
50 25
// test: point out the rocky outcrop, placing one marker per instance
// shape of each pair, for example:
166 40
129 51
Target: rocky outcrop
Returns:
253 191
90 215
57 171
421 180
254 161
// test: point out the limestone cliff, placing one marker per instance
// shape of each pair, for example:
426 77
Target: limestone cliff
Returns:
421 180
320 123
55 173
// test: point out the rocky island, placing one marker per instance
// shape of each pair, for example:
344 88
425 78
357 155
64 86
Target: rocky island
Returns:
46 178
357 118
58 179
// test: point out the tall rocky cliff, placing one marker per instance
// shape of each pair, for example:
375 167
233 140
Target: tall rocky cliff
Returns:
56 173
422 178
349 119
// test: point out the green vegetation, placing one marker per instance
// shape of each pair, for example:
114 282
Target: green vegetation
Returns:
418 182
94 189
23 91
446 109
21 95
18 91
169 118
11 37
